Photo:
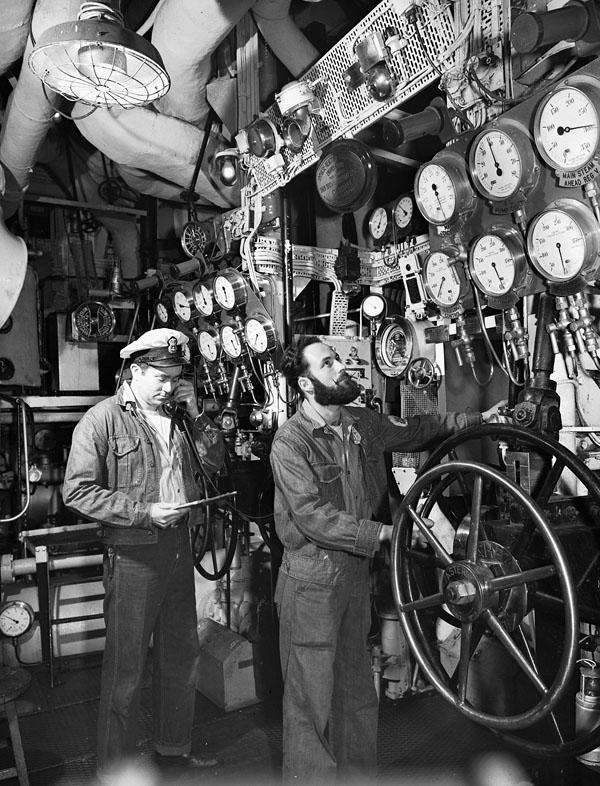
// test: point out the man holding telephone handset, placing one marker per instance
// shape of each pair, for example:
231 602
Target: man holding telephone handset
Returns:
131 470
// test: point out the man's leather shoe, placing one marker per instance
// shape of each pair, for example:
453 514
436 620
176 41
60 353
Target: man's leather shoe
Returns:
185 762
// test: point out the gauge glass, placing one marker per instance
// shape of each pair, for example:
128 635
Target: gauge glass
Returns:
378 223
374 306
557 245
203 299
207 344
16 617
496 164
230 341
403 212
436 193
442 279
493 265
162 312
181 305
567 128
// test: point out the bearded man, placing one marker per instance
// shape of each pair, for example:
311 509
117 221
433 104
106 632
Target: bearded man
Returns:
332 513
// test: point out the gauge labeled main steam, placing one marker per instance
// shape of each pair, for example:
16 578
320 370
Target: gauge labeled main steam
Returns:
563 240
229 289
442 279
260 334
208 344
442 189
501 162
566 126
203 299
230 342
494 260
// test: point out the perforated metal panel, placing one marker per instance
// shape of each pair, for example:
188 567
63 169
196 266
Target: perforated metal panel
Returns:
414 402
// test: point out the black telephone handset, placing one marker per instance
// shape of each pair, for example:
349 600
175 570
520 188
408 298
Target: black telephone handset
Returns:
174 409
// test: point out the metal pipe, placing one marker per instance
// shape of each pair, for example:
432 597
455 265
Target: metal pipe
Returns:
27 565
21 409
288 266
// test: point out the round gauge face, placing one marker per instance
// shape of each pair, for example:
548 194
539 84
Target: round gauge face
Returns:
346 175
207 344
94 320
492 265
374 306
193 239
442 279
258 337
203 299
403 212
496 165
557 245
16 617
396 347
567 130
162 312
224 292
181 305
230 341
436 194
378 223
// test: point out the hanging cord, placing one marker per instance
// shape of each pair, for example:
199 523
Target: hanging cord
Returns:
204 144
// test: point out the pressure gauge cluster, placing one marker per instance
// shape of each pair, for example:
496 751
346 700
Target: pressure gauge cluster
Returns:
498 267
503 165
396 221
567 129
442 189
394 346
445 280
563 241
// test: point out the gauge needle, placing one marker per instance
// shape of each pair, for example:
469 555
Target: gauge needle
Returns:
441 285
500 279
565 129
558 246
437 196
496 164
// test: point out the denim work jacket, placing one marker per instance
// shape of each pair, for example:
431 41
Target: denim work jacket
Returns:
309 502
113 470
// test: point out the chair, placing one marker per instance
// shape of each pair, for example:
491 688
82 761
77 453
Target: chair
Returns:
13 682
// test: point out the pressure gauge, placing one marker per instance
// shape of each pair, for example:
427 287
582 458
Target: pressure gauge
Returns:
16 618
442 279
403 211
208 344
563 240
394 346
193 239
374 306
378 223
495 260
566 126
93 321
203 299
260 334
442 189
229 289
230 342
183 303
502 162
165 313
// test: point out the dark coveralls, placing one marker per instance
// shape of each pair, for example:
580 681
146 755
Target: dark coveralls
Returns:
330 500
112 476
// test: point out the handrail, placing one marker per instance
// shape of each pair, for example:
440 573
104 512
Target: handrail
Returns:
21 408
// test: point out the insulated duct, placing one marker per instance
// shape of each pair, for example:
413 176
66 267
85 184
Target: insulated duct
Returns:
14 26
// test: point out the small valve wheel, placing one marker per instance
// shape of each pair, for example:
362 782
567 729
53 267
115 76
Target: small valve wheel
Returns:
421 373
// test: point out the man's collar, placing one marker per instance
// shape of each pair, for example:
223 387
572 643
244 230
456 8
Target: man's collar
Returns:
318 421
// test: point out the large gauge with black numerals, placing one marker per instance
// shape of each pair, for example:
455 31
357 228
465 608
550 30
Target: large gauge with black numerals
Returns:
496 260
566 124
563 241
502 162
442 189
229 289
443 278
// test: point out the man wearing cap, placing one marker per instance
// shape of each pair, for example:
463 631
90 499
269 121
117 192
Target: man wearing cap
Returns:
130 469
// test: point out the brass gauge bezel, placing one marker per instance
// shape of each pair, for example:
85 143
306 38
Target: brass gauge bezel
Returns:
454 267
215 341
514 247
583 88
229 289
585 221
391 360
449 170
268 334
481 157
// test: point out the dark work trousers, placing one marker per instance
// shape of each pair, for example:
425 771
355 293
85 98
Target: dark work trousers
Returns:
149 591
329 704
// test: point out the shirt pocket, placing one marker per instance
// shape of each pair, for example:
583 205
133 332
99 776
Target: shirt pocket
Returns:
126 450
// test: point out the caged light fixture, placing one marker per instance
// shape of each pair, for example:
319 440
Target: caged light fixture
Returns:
98 61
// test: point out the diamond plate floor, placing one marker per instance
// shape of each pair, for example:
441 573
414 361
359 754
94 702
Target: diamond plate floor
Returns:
422 741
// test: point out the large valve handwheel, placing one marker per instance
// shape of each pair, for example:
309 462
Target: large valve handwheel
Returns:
484 589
